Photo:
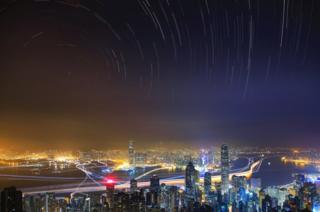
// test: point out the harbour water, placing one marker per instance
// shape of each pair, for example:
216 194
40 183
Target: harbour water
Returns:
275 172
272 172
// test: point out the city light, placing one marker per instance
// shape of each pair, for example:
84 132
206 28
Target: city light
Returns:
159 105
109 181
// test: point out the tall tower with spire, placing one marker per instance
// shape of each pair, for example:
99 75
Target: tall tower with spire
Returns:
224 169
131 153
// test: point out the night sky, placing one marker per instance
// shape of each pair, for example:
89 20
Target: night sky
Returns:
95 74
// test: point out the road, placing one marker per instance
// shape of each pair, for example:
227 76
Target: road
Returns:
254 167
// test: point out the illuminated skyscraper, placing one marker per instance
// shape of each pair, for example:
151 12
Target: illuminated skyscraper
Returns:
154 191
191 181
238 182
133 185
207 183
154 183
299 180
224 168
110 192
131 153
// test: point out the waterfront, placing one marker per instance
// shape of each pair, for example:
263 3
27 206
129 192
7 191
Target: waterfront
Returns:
275 172
272 172
39 174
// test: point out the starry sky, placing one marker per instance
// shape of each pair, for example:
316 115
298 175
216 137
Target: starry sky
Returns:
80 74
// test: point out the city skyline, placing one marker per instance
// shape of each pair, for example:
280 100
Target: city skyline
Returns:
211 181
96 75
160 105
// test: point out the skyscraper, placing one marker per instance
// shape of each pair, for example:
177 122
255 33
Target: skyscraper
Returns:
207 183
110 192
11 200
133 185
154 183
238 182
154 191
224 168
131 153
191 182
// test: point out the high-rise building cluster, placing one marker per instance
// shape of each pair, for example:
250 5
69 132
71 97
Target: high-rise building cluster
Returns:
136 158
232 193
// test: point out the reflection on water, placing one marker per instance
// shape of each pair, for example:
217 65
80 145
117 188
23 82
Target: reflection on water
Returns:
273 171
41 168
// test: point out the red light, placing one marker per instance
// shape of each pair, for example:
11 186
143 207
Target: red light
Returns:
109 181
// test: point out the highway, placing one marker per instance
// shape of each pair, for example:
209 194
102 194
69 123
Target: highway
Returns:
32 177
254 167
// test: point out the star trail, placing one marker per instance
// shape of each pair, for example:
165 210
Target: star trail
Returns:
104 72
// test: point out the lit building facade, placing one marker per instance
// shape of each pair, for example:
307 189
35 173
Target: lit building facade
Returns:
224 169
131 154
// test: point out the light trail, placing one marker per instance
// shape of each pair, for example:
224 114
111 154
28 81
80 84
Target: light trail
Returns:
126 185
88 174
30 177
79 186
151 171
